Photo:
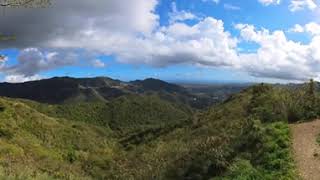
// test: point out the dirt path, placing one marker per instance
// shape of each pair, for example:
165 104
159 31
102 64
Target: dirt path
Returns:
305 149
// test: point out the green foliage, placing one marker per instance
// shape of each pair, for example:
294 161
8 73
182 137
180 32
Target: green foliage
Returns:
274 156
126 114
270 159
242 170
268 103
5 133
47 147
271 104
1 108
221 136
318 139
146 137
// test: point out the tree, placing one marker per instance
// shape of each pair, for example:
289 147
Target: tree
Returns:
311 101
311 89
311 94
24 3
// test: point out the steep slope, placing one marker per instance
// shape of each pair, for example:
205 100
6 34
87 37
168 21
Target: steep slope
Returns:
125 114
246 137
151 84
33 144
226 142
63 89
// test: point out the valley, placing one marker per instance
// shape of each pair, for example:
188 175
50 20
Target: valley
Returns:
149 130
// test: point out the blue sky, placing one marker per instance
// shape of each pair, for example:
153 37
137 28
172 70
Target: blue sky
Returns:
156 39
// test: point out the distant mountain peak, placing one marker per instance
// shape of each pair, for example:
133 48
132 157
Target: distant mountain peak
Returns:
158 85
62 89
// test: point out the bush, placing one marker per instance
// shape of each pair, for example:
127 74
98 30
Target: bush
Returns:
241 170
5 133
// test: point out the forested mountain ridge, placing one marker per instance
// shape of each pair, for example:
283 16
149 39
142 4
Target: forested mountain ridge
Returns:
61 90
143 136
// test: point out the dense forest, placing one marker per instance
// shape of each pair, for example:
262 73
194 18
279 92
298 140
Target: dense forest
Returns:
153 133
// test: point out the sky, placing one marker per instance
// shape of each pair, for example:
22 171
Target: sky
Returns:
174 40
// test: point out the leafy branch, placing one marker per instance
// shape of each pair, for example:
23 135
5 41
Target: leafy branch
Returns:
25 3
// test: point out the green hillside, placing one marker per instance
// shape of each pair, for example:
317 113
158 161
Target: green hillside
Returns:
35 145
147 137
124 114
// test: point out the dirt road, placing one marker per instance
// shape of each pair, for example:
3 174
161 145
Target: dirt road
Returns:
306 149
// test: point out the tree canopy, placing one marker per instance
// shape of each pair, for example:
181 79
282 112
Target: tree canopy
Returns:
24 3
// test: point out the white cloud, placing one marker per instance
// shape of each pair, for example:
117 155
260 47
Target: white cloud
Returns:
132 34
297 5
98 63
214 1
177 15
21 78
205 43
269 2
39 27
121 20
231 7
312 28
32 61
280 58
3 59
296 29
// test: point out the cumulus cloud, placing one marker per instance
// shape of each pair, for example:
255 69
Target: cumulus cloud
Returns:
98 63
205 43
269 2
278 57
120 20
177 15
296 29
21 78
38 27
31 61
297 5
312 28
131 33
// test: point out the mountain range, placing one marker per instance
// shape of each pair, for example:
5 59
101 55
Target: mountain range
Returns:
100 128
66 89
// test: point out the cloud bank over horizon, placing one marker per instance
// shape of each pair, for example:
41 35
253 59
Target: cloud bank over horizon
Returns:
132 32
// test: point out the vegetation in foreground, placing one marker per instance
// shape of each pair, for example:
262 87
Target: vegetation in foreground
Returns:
245 137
